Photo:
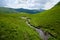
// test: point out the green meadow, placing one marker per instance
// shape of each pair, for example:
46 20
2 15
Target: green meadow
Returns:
12 27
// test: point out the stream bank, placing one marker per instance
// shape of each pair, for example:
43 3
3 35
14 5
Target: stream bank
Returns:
43 35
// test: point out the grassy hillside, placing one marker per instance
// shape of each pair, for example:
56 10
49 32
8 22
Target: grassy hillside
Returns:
7 10
12 27
49 21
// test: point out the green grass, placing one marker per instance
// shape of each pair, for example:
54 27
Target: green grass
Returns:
12 27
49 21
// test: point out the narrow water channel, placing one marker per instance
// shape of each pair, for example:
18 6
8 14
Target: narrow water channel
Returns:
43 35
41 32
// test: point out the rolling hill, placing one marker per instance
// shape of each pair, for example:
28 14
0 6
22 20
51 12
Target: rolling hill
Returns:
49 21
12 27
7 10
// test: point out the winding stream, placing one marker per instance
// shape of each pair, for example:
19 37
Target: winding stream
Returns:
43 35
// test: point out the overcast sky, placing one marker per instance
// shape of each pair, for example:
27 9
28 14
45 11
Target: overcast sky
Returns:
29 4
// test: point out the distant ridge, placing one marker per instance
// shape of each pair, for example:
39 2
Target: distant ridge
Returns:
11 10
7 10
29 11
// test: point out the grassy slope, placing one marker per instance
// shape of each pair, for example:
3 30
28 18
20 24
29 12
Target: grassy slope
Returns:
12 27
6 10
49 21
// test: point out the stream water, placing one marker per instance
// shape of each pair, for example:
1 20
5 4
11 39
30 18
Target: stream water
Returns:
42 34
